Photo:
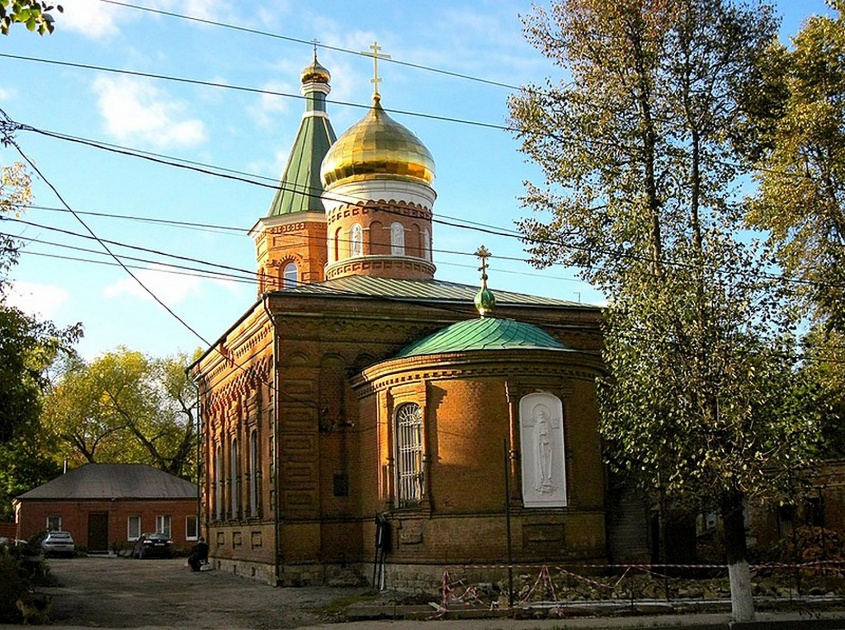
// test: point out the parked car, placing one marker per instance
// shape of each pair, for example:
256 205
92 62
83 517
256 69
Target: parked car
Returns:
150 545
58 543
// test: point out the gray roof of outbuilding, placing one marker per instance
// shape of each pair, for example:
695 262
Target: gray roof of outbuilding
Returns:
114 481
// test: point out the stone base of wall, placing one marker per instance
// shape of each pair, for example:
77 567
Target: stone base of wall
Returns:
402 577
255 570
294 574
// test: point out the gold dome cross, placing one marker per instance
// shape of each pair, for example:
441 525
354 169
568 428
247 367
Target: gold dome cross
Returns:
376 56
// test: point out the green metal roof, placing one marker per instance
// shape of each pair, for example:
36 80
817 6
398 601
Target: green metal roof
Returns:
300 186
488 333
422 290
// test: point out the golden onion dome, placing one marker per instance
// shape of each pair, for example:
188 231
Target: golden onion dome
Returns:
315 72
377 147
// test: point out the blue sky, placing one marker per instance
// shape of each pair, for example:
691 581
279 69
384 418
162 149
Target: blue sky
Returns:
479 169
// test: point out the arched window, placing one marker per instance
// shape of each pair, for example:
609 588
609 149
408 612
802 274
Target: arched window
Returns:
330 247
290 276
426 240
253 473
336 240
233 462
218 482
356 240
415 242
379 243
409 455
397 239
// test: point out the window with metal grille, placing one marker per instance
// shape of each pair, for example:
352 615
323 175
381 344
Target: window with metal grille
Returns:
409 451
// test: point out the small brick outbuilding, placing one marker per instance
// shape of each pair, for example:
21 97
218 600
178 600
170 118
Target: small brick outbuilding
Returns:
108 506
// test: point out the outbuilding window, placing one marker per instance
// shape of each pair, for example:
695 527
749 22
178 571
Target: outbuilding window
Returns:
163 525
133 528
409 455
191 529
54 523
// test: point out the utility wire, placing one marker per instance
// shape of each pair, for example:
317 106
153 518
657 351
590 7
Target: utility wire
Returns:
241 88
310 43
7 127
435 219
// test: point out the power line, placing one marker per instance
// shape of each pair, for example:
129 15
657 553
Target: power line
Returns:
311 43
249 277
210 170
241 88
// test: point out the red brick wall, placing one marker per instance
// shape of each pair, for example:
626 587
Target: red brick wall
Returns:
8 529
33 518
326 430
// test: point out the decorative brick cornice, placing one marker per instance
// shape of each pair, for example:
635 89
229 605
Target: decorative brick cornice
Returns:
511 364
398 266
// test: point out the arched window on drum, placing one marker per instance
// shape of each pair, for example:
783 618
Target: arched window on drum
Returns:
409 455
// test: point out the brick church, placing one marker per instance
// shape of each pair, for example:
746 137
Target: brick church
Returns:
362 415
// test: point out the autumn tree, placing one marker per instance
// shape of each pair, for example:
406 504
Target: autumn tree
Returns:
638 146
125 407
801 172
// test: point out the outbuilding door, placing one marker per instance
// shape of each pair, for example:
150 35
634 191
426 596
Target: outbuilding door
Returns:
98 531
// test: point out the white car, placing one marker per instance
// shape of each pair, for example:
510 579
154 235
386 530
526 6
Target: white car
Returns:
58 544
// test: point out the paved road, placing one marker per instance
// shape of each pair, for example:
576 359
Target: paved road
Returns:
123 593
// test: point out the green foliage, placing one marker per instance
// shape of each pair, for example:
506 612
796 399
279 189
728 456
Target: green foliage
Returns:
33 14
25 463
20 573
125 407
27 348
821 390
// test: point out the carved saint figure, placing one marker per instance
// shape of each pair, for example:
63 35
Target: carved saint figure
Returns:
542 449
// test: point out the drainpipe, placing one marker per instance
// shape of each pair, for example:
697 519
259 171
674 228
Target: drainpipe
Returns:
200 467
277 509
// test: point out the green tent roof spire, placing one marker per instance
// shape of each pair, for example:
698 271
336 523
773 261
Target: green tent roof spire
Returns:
484 299
300 186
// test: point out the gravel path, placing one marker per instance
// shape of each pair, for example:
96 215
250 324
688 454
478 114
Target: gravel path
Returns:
124 593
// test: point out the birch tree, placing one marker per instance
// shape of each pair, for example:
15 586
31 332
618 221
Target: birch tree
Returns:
637 145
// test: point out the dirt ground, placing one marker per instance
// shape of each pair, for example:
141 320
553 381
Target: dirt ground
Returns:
100 592
125 593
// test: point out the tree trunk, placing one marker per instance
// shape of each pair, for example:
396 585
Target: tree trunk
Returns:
742 603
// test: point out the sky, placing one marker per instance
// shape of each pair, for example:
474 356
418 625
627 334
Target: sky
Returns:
238 114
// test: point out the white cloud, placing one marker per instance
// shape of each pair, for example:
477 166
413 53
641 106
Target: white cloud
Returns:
170 285
92 18
134 109
167 286
41 300
98 20
272 107
7 94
